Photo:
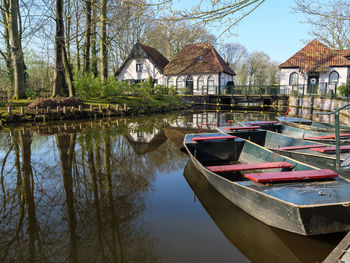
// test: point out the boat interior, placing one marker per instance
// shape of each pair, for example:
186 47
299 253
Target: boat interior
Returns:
237 159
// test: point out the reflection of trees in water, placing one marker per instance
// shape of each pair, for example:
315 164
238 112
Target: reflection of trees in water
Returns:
85 204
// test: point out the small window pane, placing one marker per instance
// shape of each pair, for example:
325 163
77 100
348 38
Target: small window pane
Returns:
200 83
333 77
293 79
211 83
170 82
180 83
138 66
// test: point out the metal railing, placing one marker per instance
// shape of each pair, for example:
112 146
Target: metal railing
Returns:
337 138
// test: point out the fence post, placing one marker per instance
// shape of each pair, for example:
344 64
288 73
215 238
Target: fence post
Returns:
22 110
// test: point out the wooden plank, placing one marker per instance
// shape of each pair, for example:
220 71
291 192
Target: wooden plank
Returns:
209 138
291 176
297 147
331 149
339 250
330 136
242 128
248 166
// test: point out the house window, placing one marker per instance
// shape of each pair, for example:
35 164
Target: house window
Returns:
138 66
333 77
200 83
180 83
170 82
293 79
210 83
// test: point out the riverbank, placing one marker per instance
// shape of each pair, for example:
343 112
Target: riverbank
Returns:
18 111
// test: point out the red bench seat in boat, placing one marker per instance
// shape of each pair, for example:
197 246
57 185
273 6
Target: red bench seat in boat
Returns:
242 128
298 147
209 138
291 175
331 149
262 122
330 136
248 166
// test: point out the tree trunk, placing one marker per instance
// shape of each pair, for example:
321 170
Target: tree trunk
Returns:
103 41
68 73
58 88
7 56
87 37
17 52
93 67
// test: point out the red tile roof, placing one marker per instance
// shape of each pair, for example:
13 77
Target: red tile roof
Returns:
197 59
317 57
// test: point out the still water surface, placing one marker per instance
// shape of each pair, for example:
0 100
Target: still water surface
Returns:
123 191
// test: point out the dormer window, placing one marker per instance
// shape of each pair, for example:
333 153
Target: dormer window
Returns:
200 58
138 66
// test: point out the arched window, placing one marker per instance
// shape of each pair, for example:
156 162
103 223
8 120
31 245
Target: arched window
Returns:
170 82
293 79
200 83
180 83
333 77
210 83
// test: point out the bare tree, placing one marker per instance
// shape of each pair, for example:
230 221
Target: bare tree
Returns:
330 21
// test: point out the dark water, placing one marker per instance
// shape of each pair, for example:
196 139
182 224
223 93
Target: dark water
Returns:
123 191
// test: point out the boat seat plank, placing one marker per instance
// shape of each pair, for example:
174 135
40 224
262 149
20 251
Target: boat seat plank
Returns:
248 166
298 147
331 149
291 175
242 128
262 122
209 138
330 136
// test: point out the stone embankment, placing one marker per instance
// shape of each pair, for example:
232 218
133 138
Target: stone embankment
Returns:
308 107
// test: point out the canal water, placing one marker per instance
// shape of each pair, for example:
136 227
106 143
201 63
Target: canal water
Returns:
123 190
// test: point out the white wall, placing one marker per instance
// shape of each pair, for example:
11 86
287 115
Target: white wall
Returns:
224 78
148 69
324 77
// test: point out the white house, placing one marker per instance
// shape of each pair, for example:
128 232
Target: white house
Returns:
199 68
143 62
315 67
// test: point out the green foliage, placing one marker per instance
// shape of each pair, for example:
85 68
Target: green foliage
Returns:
344 90
87 86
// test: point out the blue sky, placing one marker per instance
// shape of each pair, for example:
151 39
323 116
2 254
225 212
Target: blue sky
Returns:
272 28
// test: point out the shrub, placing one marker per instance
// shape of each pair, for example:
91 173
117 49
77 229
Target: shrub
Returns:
87 86
344 90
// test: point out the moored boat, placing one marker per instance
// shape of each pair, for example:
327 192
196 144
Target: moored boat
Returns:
311 125
246 232
279 196
305 134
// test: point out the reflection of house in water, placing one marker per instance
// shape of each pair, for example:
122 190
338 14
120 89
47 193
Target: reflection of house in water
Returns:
211 120
144 142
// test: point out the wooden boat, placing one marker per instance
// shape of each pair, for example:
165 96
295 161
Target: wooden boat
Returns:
311 125
245 232
299 133
316 153
278 197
